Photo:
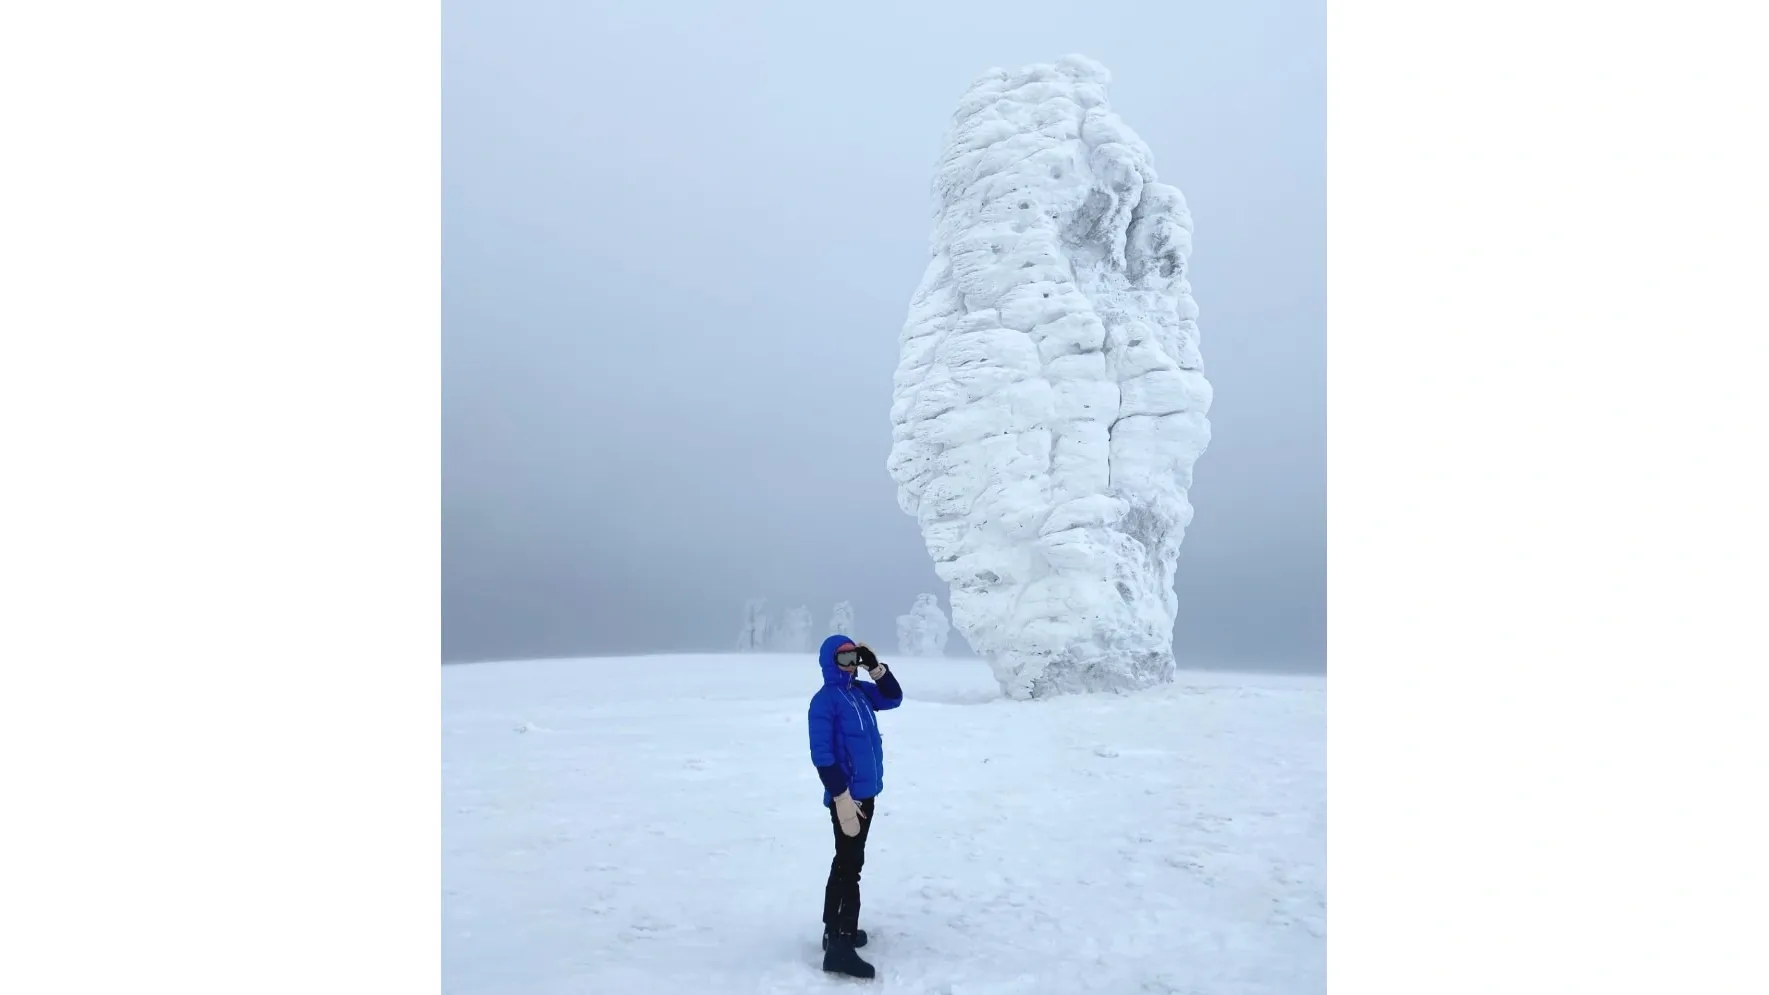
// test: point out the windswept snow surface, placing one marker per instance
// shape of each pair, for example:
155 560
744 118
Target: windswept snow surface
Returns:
653 825
1050 397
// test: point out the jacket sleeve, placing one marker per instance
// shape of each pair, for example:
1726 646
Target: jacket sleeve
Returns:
821 723
832 779
886 694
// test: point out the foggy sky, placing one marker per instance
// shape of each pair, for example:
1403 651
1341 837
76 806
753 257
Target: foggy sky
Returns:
679 242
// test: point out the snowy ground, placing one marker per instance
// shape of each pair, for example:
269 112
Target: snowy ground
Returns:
653 825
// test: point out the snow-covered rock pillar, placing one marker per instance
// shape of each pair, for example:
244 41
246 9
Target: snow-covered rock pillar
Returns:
842 619
909 634
754 635
1050 398
924 630
794 634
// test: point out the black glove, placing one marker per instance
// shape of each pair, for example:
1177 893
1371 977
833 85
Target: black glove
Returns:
868 659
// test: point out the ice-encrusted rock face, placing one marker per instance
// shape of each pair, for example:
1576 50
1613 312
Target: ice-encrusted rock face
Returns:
1050 397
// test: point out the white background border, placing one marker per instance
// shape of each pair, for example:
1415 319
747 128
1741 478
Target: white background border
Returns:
219 369
1546 756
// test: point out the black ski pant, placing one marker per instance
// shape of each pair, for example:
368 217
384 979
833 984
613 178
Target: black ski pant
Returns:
841 897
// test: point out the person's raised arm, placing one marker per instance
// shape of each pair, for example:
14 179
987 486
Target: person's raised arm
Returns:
884 692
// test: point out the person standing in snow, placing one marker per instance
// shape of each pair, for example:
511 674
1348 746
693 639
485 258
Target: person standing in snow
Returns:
849 756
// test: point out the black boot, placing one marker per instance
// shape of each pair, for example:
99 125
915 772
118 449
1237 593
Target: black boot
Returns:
840 958
859 938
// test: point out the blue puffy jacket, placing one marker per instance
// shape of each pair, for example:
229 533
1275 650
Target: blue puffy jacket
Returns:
845 745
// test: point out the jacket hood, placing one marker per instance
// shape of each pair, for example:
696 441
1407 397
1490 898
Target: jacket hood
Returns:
833 674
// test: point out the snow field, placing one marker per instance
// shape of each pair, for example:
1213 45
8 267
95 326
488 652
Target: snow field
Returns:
653 824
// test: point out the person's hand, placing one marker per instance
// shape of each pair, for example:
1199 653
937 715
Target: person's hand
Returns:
847 811
870 661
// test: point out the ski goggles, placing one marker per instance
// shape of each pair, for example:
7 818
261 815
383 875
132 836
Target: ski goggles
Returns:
847 658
